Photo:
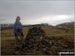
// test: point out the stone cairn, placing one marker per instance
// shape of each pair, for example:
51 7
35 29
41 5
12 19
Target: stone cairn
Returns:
36 39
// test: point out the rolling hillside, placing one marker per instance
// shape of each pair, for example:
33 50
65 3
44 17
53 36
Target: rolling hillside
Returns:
59 35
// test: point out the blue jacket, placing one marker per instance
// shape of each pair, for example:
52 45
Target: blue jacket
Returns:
17 26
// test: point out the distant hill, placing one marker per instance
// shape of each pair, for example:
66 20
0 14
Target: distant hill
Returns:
69 25
7 26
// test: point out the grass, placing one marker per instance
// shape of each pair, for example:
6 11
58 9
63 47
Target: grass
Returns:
8 41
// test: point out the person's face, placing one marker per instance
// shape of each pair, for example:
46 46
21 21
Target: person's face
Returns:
18 19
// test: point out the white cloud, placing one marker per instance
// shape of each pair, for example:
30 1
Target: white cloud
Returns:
54 19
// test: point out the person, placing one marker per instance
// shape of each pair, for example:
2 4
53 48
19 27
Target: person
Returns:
18 31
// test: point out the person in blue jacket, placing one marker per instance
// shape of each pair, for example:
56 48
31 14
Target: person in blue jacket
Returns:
18 31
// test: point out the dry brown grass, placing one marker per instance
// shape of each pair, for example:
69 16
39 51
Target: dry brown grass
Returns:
8 40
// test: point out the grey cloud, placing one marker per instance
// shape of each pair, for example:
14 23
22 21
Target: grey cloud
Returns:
34 9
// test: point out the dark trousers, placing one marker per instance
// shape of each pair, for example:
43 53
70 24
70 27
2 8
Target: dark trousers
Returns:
17 34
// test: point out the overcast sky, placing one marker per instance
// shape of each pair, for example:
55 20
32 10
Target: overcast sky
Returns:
34 12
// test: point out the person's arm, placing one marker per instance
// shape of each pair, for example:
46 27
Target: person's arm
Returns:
14 27
21 25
